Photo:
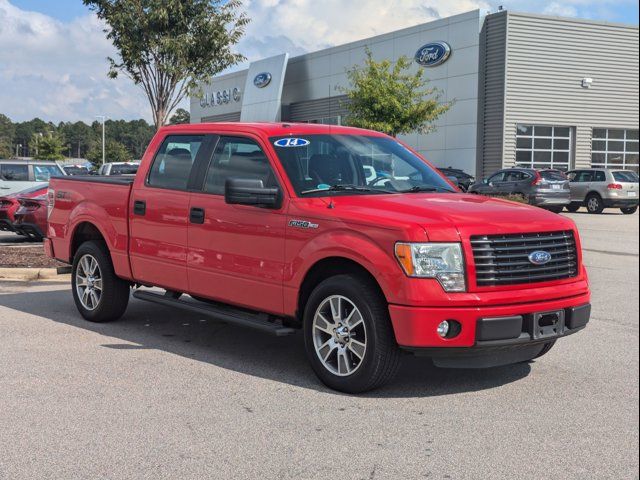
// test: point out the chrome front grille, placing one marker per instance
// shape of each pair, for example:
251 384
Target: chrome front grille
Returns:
504 259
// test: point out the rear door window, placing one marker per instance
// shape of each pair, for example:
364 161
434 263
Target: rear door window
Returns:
583 177
14 172
172 164
599 176
498 177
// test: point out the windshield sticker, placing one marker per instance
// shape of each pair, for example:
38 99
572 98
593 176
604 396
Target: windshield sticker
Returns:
291 142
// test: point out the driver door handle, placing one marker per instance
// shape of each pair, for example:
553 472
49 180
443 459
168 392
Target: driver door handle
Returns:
196 215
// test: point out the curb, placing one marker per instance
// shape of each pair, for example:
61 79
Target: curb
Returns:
30 274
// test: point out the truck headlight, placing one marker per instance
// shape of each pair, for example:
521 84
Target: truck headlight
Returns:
442 261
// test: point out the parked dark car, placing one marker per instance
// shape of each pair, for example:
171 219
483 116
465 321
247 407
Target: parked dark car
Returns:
463 179
548 189
31 217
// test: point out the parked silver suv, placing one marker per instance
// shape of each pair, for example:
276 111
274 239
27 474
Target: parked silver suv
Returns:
600 188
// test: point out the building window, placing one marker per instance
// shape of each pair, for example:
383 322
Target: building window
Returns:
539 146
614 148
326 120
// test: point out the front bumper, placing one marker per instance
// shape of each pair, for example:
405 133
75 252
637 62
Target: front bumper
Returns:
487 329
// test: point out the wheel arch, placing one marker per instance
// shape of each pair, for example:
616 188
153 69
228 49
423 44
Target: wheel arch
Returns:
84 232
329 267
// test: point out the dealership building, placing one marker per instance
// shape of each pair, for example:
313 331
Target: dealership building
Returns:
527 90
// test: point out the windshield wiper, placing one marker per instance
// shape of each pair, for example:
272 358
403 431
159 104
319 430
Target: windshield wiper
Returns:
426 188
341 187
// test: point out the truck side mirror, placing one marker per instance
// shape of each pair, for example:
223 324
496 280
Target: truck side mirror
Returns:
250 191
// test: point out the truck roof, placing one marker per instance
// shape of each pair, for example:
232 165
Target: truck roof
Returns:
271 129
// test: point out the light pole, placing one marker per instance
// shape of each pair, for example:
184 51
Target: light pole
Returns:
102 118
18 145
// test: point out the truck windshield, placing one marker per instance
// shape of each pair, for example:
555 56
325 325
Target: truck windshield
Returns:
320 165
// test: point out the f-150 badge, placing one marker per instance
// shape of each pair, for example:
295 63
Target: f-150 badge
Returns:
302 224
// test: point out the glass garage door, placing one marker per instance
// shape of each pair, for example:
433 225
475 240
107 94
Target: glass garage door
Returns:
614 148
542 146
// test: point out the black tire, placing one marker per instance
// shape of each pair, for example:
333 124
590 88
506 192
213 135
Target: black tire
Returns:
555 209
594 203
114 296
629 210
545 349
381 358
573 208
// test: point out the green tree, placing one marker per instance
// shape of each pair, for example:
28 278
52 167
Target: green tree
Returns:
181 116
114 152
169 46
388 98
49 146
7 132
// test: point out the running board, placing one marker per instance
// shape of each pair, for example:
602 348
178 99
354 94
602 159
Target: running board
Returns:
258 321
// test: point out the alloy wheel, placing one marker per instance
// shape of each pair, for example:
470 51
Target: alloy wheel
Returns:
339 335
89 282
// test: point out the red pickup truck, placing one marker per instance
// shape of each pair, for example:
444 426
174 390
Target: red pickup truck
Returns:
344 233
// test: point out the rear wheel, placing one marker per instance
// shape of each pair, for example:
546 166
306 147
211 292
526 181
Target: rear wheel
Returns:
595 204
99 294
348 335
629 210
573 208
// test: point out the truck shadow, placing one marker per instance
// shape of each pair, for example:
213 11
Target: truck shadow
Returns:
281 359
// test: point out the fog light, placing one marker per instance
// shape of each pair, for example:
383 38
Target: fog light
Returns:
443 329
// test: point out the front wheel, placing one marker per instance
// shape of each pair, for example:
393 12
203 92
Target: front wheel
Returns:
629 210
348 335
99 294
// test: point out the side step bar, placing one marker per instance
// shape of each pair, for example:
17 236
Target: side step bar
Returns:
258 321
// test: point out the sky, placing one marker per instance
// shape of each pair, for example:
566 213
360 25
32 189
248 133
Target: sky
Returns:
53 52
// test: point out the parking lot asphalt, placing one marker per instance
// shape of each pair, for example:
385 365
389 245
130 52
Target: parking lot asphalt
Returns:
162 394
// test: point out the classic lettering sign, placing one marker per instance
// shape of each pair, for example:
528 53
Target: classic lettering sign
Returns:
221 97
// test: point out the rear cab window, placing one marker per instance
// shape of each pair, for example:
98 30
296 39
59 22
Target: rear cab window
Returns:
172 163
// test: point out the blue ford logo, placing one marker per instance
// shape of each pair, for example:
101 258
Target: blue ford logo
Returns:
262 79
433 54
539 257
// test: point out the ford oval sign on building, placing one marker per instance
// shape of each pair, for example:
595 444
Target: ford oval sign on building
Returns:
262 79
432 54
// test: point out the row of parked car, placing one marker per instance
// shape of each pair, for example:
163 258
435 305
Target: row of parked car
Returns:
554 190
23 191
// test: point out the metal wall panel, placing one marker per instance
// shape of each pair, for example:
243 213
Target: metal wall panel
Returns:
223 117
317 109
493 41
547 58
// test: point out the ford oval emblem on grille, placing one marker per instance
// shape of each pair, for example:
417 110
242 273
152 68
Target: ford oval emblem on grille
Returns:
262 79
539 257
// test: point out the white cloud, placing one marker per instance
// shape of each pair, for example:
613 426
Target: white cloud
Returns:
561 9
57 70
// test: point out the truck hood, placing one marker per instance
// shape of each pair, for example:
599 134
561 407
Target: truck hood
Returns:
445 217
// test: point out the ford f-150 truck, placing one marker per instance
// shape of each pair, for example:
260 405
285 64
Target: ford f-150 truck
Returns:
281 227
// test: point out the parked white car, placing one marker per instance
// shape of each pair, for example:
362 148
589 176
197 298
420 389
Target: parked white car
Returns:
119 168
18 175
